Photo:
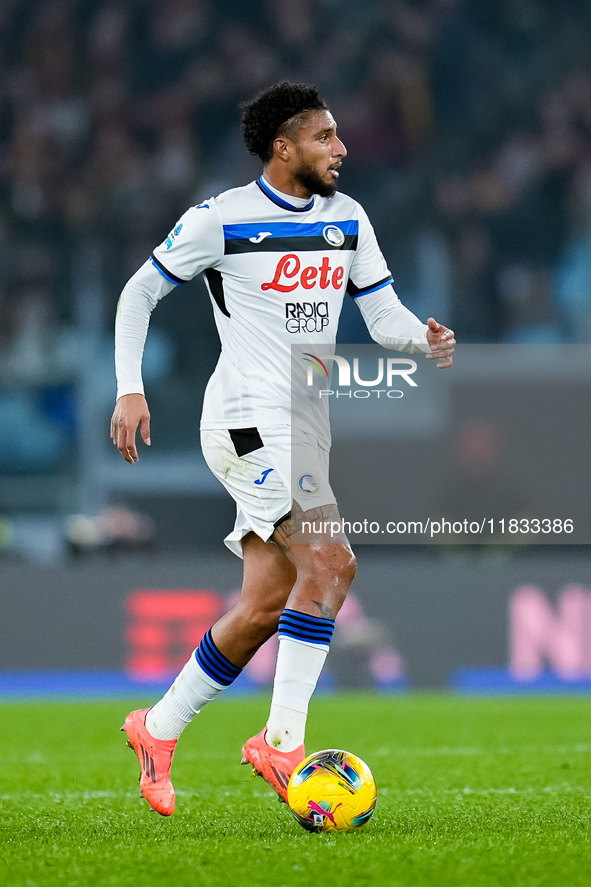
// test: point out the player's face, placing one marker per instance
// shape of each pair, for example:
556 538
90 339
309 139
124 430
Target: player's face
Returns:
318 154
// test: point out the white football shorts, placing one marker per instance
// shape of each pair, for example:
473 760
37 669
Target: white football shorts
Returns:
254 465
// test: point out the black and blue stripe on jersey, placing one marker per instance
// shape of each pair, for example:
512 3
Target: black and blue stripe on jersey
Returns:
279 237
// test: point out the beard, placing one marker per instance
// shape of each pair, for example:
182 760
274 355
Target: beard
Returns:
311 181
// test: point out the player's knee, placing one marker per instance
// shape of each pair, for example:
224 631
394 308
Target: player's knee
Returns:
343 564
350 566
333 566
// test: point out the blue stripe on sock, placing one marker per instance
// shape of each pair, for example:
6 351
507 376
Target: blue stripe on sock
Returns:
311 626
302 627
209 664
312 622
305 634
215 663
215 666
305 617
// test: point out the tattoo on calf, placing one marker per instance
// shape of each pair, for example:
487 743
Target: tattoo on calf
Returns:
325 611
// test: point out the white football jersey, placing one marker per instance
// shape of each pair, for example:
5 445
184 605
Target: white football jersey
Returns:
277 269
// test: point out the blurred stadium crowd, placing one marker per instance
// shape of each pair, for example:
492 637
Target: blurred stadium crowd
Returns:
468 126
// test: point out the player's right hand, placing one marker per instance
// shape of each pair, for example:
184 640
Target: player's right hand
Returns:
130 411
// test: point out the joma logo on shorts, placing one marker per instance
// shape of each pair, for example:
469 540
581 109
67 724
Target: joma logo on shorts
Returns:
289 268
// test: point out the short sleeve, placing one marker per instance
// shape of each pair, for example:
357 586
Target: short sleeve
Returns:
369 271
195 243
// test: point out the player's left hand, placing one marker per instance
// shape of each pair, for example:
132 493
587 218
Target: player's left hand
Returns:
442 342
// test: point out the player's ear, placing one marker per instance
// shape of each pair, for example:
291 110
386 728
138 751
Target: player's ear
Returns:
282 148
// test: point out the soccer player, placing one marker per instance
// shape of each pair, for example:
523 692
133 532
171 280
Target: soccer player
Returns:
264 250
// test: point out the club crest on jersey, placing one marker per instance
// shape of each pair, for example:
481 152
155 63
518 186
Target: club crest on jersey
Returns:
308 483
333 235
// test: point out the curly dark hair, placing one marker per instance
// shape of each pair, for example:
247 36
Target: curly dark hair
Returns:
264 117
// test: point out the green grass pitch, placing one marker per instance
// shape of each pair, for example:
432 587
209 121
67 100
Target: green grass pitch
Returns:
472 792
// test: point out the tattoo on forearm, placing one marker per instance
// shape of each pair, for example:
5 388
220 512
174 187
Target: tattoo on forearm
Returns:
325 612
